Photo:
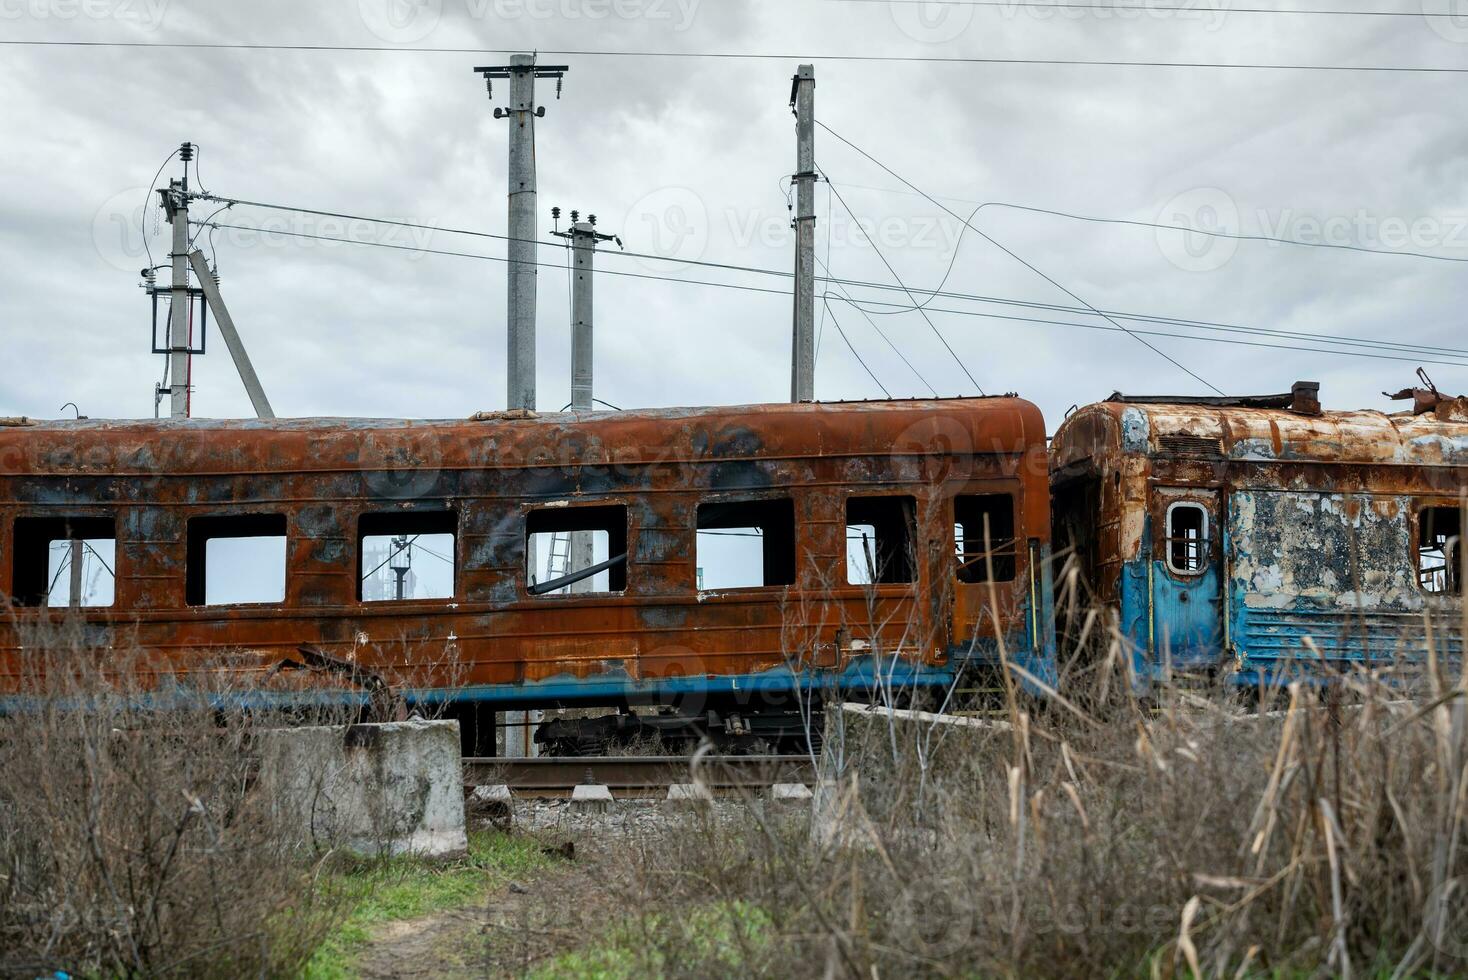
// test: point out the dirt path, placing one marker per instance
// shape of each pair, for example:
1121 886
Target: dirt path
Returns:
514 928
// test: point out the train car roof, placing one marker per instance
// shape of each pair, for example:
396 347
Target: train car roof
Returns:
1270 428
997 425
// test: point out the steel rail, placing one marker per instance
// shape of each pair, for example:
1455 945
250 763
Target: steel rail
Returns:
634 775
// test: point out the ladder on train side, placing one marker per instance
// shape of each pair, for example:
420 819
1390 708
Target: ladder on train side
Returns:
559 561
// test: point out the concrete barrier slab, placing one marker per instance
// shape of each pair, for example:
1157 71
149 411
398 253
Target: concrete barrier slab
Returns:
689 793
591 798
392 788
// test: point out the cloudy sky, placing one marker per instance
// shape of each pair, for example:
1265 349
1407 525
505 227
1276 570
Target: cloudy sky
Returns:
686 157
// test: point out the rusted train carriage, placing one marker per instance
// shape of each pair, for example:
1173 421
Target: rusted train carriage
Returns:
501 498
1225 532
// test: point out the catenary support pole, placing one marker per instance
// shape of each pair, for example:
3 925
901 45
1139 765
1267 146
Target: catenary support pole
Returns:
231 336
803 346
522 71
176 206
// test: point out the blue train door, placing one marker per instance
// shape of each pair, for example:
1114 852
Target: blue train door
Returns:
1187 580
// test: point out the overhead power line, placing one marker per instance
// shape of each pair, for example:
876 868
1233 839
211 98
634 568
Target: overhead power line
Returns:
741 56
931 325
1110 5
1031 266
785 294
892 308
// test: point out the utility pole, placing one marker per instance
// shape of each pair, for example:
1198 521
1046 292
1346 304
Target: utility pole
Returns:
400 563
803 343
522 72
584 238
180 346
176 206
76 573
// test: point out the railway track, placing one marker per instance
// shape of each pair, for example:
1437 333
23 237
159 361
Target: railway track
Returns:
636 776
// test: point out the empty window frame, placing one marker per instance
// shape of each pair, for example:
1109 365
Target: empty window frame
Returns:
53 554
406 556
981 520
1187 545
563 542
879 536
236 559
1439 550
746 544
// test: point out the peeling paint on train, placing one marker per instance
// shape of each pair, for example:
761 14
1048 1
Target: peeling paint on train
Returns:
1311 531
494 639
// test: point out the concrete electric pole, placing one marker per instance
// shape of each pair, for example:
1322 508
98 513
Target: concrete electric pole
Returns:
803 345
180 348
584 238
176 206
522 72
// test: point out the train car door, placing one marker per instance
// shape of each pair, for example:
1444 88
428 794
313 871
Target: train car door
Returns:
983 541
1186 585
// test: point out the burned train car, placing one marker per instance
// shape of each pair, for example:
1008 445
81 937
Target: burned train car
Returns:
1252 538
521 561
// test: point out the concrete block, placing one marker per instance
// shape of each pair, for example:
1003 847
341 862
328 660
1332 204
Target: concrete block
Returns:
790 793
392 788
591 798
492 803
687 794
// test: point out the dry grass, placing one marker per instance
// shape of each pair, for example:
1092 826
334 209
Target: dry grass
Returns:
1104 835
130 841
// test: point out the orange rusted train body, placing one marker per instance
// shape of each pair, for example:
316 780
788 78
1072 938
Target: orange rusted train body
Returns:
923 476
1260 537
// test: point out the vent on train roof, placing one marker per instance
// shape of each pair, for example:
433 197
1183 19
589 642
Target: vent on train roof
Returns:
1303 398
1191 446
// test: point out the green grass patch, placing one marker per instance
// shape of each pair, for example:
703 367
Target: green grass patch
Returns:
397 888
721 938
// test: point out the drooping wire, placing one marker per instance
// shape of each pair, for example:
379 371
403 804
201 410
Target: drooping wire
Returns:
1028 265
148 197
821 326
785 294
931 325
837 324
843 295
